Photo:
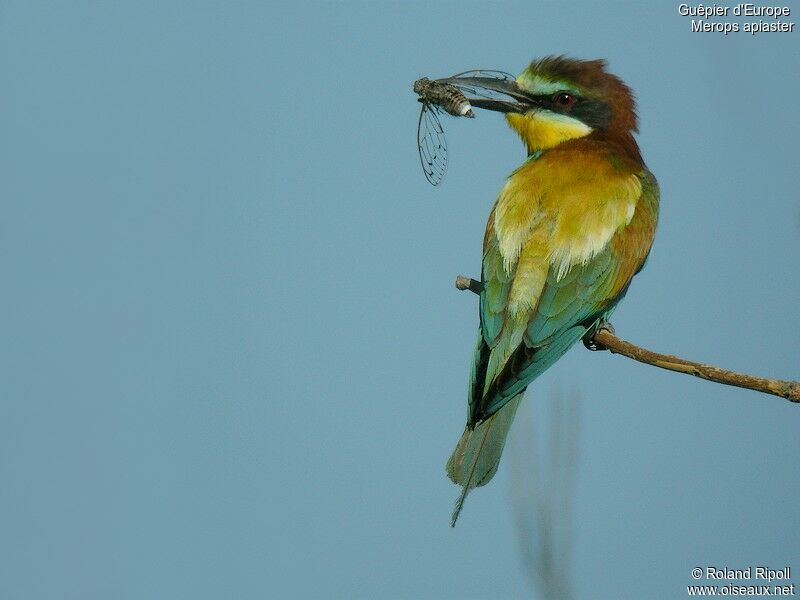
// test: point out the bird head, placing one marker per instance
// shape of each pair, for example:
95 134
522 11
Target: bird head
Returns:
557 99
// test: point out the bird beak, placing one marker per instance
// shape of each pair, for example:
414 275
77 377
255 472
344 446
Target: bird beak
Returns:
516 99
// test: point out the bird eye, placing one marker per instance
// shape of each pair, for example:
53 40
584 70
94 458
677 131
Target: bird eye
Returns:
563 100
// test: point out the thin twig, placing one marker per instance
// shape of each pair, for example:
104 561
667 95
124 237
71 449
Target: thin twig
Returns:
786 389
465 283
604 338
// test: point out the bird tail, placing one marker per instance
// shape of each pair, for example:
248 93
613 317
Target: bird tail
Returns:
477 454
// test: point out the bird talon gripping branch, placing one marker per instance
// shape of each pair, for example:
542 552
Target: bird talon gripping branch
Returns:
590 339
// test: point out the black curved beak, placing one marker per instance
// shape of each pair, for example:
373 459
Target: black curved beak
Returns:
500 105
516 99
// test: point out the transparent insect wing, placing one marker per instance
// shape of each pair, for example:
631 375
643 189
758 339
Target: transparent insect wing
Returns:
463 81
493 73
432 144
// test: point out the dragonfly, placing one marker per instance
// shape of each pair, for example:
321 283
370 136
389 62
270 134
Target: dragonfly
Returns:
449 95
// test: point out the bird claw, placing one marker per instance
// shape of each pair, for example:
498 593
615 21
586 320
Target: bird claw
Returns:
589 340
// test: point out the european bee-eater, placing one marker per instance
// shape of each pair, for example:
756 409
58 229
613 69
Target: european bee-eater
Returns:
569 230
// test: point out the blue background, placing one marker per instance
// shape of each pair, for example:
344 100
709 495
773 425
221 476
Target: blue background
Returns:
232 360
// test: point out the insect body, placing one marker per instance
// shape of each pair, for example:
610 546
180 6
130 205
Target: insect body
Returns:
444 95
437 95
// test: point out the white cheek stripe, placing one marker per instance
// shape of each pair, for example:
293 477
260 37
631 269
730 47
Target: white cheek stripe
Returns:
549 116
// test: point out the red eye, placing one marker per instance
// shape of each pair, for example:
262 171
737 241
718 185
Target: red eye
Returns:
563 100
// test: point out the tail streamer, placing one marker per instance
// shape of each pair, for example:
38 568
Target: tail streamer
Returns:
477 454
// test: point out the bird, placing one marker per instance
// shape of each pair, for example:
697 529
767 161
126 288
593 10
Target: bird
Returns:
570 228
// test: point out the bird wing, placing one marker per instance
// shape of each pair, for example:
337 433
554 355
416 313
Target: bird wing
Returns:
534 307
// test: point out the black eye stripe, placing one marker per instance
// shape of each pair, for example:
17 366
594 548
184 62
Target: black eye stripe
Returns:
549 99
595 113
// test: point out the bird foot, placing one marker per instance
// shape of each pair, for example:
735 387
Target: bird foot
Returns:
589 341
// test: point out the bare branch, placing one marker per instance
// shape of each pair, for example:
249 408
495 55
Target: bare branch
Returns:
786 389
465 283
605 339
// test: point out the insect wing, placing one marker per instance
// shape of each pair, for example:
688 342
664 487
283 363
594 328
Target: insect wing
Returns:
494 74
466 83
432 144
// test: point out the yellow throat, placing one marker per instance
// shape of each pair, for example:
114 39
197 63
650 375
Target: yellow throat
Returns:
542 129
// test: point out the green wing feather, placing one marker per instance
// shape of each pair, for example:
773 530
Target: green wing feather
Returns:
566 311
494 296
